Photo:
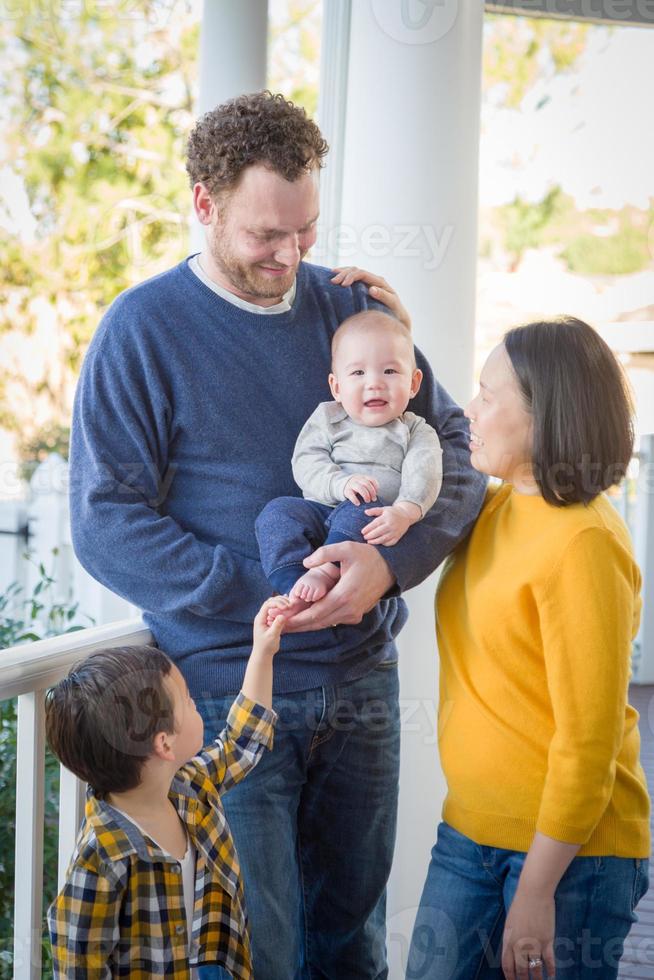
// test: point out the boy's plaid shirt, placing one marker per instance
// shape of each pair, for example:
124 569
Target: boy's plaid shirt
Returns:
121 911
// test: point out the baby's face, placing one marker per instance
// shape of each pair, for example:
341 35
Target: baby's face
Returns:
373 376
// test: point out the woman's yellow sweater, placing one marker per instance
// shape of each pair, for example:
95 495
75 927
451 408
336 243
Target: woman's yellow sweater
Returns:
536 613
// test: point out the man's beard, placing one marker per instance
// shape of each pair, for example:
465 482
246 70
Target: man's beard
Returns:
249 279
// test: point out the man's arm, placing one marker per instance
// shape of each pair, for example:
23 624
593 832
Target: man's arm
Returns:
428 542
120 475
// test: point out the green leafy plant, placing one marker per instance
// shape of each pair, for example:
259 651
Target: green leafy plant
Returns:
34 449
525 221
23 620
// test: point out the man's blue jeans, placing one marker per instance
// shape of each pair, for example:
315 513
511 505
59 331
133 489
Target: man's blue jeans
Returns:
314 826
288 529
460 921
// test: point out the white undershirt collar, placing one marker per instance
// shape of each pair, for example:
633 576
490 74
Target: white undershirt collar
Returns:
282 307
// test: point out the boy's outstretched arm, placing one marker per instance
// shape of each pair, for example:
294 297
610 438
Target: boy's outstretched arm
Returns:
257 682
251 720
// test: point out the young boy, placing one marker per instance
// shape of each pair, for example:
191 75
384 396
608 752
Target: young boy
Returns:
154 883
363 446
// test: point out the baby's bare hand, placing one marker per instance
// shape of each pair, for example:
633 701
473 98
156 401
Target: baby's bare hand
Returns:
362 486
388 526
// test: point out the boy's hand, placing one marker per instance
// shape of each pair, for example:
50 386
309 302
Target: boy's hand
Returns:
267 635
365 486
390 523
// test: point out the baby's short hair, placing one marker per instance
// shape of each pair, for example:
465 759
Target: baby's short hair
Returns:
102 717
372 321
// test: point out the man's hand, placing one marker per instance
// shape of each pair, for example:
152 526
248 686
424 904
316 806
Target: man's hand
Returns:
365 486
390 523
365 578
379 289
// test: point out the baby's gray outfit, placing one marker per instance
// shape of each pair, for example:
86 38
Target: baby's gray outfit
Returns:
404 456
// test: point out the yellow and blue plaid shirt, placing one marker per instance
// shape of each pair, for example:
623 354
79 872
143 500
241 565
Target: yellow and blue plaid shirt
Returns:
121 911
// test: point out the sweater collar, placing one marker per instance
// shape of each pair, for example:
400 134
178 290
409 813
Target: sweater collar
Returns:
283 306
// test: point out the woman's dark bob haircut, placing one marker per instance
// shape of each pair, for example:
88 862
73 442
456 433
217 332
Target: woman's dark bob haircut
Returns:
581 406
101 719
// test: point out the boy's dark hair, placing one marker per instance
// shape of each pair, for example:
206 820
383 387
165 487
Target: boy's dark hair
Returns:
100 719
581 406
258 128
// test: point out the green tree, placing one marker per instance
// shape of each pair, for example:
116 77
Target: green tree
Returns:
519 52
96 99
525 221
294 50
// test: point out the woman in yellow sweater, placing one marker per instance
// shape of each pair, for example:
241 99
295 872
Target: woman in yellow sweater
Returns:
541 857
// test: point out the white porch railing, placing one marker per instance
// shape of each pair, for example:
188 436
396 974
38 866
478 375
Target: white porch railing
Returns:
26 672
39 522
643 534
635 503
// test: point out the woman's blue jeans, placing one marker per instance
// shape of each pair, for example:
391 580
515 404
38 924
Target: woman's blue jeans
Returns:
469 888
314 826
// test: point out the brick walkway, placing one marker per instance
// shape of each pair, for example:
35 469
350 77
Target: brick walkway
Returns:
638 960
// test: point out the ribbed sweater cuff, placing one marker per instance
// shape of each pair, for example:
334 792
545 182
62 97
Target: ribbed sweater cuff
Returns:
618 838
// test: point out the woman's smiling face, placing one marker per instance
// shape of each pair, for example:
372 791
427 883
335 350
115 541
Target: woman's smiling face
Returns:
501 430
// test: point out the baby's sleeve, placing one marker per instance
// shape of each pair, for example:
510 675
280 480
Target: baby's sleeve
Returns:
422 469
316 474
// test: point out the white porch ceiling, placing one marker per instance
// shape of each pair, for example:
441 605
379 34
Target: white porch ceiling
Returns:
629 12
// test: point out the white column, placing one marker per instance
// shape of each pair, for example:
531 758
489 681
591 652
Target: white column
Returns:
233 61
409 198
332 118
409 212
233 47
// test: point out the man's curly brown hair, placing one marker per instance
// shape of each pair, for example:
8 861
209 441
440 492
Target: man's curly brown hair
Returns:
258 128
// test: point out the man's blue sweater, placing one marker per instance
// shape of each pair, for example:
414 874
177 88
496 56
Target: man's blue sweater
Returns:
185 418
